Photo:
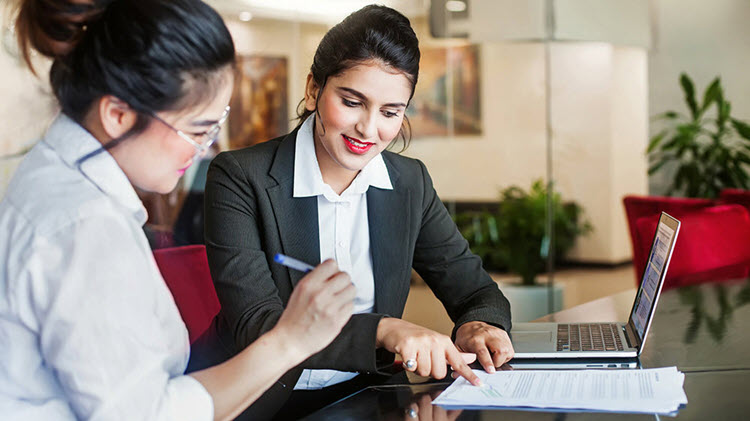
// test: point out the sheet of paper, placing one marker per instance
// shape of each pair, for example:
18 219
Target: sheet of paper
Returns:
644 391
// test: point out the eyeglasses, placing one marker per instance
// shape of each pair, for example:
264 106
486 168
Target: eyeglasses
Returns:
203 141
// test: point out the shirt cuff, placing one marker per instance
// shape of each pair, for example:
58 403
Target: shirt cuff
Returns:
192 401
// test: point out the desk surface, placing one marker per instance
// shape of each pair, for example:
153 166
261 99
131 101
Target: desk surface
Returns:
716 395
700 329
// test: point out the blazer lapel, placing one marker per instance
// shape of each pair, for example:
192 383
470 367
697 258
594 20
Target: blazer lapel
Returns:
296 218
388 218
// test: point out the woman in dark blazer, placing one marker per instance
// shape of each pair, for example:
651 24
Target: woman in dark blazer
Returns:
284 196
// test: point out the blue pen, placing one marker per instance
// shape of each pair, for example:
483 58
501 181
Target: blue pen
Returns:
292 263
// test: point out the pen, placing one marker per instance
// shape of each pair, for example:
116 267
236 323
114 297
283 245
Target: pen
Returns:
292 263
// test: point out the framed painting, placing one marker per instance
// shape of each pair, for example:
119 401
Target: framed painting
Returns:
447 97
260 101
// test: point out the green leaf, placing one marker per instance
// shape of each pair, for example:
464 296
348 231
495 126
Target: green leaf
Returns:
654 168
655 141
679 178
689 89
673 143
743 296
739 177
743 129
668 115
712 94
743 158
724 110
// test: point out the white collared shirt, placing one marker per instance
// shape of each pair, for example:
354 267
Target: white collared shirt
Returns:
88 328
343 230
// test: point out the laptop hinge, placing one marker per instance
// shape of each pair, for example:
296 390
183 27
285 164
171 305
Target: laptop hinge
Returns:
631 337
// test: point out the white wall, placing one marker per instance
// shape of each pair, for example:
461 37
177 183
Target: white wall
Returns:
705 39
600 123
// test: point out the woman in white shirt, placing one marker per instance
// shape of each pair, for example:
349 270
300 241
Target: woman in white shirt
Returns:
88 328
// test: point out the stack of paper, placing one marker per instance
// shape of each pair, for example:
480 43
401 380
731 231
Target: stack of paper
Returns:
651 391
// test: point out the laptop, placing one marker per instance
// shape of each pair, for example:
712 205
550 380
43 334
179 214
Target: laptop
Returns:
605 340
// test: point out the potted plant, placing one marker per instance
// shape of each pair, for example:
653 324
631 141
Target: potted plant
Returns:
707 149
514 238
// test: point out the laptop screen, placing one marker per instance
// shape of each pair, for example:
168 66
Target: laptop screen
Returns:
661 250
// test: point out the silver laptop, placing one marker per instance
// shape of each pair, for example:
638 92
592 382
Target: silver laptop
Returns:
605 340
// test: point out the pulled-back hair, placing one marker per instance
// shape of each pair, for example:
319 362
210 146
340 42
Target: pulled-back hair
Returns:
155 55
373 33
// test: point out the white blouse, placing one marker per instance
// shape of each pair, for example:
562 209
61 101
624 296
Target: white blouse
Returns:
88 328
344 231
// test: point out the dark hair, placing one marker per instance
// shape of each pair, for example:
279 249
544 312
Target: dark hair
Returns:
154 55
371 33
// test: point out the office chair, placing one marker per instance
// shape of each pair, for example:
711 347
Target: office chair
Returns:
637 207
735 196
713 245
185 270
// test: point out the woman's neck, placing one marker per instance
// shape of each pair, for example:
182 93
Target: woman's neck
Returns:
336 176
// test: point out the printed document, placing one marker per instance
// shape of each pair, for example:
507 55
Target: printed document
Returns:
644 391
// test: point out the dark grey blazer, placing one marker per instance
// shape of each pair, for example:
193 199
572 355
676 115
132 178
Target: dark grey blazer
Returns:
251 215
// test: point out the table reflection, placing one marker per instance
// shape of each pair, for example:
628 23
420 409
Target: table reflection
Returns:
393 403
701 327
711 308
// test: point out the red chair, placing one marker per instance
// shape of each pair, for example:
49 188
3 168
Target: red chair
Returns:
713 245
185 270
637 207
735 196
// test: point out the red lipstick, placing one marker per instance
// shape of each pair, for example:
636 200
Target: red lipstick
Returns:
356 146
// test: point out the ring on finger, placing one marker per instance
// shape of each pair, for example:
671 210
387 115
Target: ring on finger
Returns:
410 364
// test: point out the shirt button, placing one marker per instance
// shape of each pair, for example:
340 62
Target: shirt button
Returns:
341 244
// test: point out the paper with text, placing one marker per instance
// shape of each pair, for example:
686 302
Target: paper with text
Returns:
650 391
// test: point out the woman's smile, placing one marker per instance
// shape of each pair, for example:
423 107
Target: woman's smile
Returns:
356 146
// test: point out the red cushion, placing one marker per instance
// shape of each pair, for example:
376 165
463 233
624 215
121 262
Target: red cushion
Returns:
713 243
185 270
735 196
637 207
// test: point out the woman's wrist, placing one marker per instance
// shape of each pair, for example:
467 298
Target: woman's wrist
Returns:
287 346
384 327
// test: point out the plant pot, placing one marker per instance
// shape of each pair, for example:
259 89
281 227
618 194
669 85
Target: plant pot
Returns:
528 303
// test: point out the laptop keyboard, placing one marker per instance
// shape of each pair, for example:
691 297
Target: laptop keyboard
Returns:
589 337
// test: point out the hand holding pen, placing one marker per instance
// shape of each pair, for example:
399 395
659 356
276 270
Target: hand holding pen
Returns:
319 307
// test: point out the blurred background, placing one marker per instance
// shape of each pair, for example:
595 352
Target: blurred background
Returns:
516 99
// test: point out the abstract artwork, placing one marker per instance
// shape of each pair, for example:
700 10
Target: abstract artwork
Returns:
259 102
446 100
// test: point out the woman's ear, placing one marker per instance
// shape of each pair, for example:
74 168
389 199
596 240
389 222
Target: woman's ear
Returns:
312 90
116 116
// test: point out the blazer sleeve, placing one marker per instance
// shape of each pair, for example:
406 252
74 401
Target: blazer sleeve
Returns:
443 259
251 303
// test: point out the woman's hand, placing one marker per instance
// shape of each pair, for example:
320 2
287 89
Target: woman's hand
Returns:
491 344
431 350
319 307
